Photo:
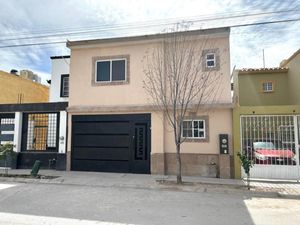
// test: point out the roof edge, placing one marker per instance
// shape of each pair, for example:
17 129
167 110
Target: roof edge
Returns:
147 37
263 70
23 79
60 57
286 61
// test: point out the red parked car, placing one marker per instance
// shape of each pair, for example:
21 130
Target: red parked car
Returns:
267 153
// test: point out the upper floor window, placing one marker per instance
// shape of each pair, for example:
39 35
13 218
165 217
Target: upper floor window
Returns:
210 60
64 85
267 86
193 129
111 70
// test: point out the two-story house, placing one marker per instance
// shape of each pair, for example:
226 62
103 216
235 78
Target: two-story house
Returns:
267 119
113 126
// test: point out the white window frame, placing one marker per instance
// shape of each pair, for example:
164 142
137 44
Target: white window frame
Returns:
63 95
110 75
199 129
266 84
210 60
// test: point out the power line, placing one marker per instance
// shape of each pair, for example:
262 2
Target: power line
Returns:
149 24
239 25
268 22
32 44
204 17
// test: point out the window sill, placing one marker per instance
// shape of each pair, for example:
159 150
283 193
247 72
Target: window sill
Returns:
212 68
110 83
197 139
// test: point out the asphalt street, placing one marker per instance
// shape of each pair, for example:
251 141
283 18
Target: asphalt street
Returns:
78 204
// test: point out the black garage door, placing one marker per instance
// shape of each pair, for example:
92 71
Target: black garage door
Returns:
111 143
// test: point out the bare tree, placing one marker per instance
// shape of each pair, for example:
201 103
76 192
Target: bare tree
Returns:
177 80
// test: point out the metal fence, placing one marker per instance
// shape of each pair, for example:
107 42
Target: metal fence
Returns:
272 143
41 131
6 129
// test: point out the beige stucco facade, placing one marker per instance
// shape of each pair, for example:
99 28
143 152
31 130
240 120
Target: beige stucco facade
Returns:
129 98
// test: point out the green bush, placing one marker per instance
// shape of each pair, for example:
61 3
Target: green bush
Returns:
7 153
246 164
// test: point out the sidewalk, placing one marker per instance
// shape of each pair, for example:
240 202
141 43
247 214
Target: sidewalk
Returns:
161 182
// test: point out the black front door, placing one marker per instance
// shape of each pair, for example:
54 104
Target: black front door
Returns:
111 143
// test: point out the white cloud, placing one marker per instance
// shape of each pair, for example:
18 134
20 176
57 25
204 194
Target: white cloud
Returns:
36 17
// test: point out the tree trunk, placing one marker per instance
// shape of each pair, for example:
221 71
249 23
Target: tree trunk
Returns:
178 161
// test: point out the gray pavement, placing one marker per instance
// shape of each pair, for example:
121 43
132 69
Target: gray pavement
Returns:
193 184
82 204
117 199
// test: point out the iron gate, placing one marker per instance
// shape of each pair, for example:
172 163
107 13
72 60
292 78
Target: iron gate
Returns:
272 143
40 132
7 125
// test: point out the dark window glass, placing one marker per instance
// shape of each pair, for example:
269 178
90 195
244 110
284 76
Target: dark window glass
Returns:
210 63
210 60
187 124
196 133
118 70
103 71
64 85
201 134
210 56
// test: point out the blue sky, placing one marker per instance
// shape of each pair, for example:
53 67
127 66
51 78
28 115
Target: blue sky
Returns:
23 18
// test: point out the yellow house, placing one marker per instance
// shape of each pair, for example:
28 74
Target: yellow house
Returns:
266 119
15 89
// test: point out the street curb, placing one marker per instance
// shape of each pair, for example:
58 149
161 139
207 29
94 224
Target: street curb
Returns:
196 187
30 180
230 189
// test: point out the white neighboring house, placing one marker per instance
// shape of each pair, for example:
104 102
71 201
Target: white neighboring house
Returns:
59 89
39 130
59 92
